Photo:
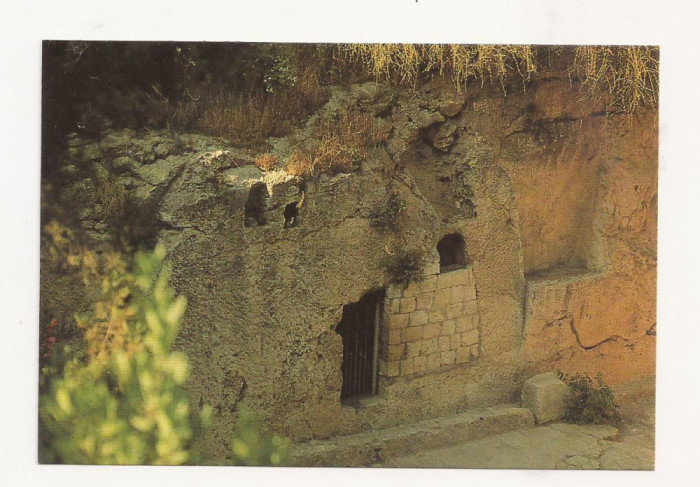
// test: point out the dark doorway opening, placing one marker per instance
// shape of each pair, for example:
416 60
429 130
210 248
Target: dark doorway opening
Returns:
255 206
359 329
291 213
452 252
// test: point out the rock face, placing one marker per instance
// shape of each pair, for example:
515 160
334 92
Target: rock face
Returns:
557 215
546 396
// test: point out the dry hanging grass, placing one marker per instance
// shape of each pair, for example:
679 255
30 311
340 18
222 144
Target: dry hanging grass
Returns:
625 77
109 198
404 63
341 143
249 120
491 62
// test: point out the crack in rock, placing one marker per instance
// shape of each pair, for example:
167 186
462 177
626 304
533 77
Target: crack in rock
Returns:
612 338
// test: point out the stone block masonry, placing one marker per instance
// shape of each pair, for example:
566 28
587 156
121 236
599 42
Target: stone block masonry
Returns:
546 396
430 325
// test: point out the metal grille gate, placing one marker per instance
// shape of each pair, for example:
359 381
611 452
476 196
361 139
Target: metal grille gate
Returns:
359 330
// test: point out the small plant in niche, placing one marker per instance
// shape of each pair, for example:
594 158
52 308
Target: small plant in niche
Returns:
404 267
589 404
386 216
291 212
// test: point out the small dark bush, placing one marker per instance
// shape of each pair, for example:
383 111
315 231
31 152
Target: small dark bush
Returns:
404 267
590 404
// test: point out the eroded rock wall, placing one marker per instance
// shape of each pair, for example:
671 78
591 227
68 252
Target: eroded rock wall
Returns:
585 190
556 205
602 318
585 186
265 301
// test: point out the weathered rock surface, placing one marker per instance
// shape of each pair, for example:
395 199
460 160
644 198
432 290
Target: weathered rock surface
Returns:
557 211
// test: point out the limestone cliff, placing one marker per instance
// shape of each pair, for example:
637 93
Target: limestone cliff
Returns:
555 202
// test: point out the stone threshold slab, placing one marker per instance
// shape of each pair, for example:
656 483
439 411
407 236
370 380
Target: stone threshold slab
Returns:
365 449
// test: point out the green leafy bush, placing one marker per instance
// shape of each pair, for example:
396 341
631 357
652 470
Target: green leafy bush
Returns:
589 404
129 408
282 76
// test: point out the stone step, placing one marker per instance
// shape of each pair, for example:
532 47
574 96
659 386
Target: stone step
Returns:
364 449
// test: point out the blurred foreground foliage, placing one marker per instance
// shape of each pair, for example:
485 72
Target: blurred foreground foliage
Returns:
127 406
251 446
121 399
